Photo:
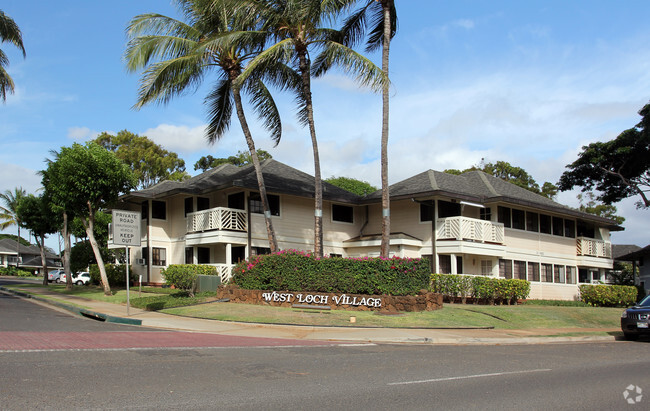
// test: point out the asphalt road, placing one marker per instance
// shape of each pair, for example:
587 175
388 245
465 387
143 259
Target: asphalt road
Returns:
585 376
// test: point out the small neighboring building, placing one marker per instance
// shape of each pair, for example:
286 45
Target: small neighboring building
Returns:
29 258
638 259
472 224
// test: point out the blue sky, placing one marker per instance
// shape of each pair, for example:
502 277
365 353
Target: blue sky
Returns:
525 82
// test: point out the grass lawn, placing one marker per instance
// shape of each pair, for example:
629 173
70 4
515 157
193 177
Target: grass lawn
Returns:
528 316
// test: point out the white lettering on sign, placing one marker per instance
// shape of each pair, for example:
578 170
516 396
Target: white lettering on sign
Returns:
320 299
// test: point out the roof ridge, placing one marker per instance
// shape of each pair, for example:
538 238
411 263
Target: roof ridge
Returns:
483 177
432 179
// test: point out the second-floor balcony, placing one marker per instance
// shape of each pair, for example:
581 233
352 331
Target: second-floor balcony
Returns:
220 218
470 229
593 248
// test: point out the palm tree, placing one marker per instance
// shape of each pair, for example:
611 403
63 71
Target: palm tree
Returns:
177 55
9 32
383 26
297 27
9 213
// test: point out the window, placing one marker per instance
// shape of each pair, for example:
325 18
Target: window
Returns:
569 228
505 268
545 224
570 275
260 250
189 255
159 210
445 264
558 226
334 255
189 205
426 212
459 264
485 214
342 214
518 219
448 209
256 204
532 221
237 201
486 267
202 203
203 255
158 256
547 273
586 229
504 216
519 270
145 209
559 274
533 271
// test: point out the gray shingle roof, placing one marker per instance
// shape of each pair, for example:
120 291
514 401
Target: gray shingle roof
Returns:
479 187
279 178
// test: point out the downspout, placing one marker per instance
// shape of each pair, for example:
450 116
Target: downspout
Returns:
149 251
363 227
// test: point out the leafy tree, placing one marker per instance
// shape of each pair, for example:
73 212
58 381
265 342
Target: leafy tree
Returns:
83 180
382 23
177 55
36 214
10 33
296 28
618 169
352 185
9 213
512 174
589 205
16 238
241 159
150 162
623 274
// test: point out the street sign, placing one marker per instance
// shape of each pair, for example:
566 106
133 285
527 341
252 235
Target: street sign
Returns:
126 228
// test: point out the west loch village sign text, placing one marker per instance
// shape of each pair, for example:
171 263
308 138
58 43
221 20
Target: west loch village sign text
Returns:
337 300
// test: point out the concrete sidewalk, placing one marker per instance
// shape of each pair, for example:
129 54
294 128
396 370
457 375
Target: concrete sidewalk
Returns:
118 313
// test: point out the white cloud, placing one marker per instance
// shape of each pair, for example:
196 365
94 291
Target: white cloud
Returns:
182 139
464 23
12 176
81 133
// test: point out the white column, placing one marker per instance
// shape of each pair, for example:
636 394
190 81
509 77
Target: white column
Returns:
454 266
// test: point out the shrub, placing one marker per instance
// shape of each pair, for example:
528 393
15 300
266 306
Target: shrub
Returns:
183 276
116 274
292 270
15 272
487 289
608 295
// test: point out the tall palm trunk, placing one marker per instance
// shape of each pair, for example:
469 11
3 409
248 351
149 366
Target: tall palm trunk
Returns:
304 67
273 242
385 194
41 246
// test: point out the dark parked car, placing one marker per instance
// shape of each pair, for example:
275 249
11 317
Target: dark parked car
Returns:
635 320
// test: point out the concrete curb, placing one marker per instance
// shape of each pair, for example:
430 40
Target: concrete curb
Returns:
76 310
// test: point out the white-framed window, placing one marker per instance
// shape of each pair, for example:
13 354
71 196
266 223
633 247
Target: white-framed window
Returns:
486 267
255 204
342 213
158 256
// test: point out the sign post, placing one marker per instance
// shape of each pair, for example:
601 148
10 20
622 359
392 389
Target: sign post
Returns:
126 232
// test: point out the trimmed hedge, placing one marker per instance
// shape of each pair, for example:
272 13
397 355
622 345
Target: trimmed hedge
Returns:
486 289
115 273
608 295
183 276
15 272
292 270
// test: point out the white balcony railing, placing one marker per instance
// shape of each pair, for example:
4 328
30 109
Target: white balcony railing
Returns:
220 218
472 229
224 271
593 248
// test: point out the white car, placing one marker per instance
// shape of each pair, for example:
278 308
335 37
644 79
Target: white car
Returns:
81 278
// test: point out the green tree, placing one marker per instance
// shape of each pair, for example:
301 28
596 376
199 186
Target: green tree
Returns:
618 169
241 159
380 17
296 28
9 213
352 185
178 55
83 180
10 33
589 205
150 163
36 214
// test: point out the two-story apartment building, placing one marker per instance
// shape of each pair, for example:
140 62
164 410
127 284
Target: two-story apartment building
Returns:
472 224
